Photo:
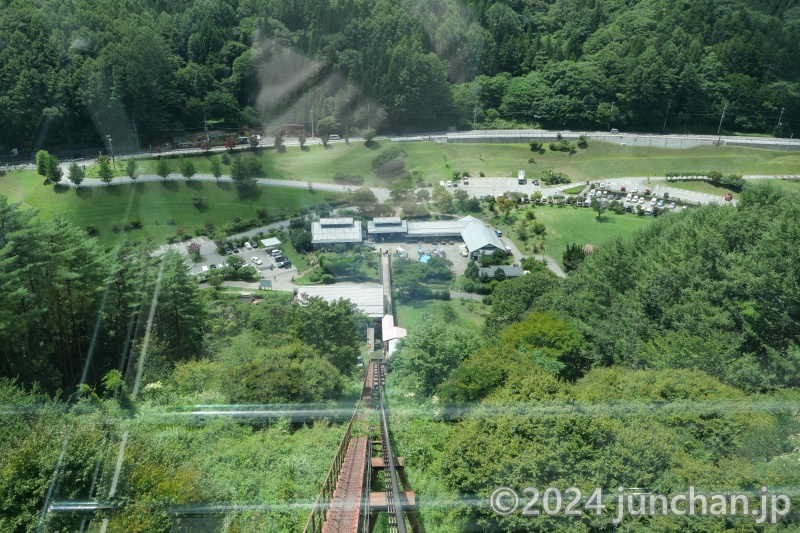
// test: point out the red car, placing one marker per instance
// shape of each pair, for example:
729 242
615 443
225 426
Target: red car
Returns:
728 197
622 189
647 192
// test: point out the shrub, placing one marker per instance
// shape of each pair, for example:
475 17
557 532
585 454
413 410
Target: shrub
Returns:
92 230
583 142
253 166
388 155
349 179
535 145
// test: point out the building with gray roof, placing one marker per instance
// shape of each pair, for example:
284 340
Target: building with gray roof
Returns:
480 239
343 230
387 228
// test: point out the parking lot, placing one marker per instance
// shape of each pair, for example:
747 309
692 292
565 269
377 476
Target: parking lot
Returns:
496 186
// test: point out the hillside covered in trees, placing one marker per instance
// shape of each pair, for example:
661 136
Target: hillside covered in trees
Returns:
664 361
73 72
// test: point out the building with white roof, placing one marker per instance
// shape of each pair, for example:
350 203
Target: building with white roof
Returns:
391 334
368 297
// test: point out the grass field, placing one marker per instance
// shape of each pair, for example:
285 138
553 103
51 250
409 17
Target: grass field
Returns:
703 187
154 204
436 162
789 185
409 314
568 225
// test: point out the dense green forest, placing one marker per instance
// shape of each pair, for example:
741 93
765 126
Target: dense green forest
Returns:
663 361
76 71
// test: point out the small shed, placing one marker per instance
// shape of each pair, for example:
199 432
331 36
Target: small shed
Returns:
270 244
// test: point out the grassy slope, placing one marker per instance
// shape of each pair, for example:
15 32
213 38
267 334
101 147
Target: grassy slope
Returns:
153 203
567 225
437 162
409 314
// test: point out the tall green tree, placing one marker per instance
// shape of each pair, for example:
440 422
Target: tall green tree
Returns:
76 175
104 171
163 168
216 166
187 168
331 328
132 169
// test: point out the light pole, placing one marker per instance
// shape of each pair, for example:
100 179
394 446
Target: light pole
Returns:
111 148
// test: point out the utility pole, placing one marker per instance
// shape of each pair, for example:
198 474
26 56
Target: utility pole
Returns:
664 128
111 149
136 134
719 129
780 117
474 116
611 114
312 123
367 115
205 124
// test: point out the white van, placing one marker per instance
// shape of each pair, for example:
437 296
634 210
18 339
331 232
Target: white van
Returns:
614 130
205 268
276 252
247 245
335 137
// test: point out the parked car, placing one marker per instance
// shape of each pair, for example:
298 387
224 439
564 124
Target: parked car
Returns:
256 261
622 188
229 251
465 181
628 198
235 249
213 266
647 192
536 182
635 198
672 205
728 197
276 252
635 190
660 203
248 246
441 183
641 200
285 264
205 268
498 232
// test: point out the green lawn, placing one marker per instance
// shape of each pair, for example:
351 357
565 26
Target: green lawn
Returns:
409 314
154 204
567 225
789 185
436 162
706 187
703 187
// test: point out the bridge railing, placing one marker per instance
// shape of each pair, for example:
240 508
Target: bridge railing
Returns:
320 510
